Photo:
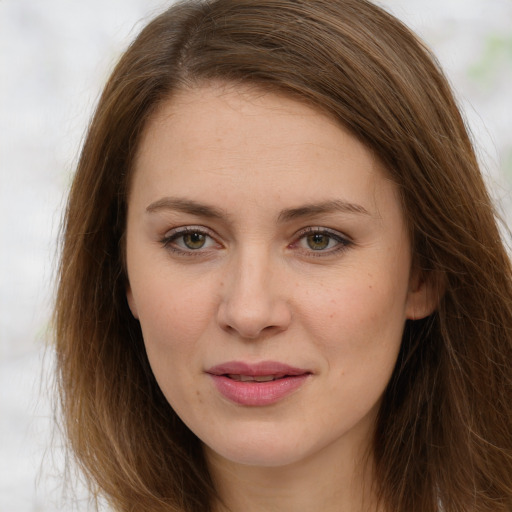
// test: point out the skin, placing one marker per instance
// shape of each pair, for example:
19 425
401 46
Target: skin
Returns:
260 289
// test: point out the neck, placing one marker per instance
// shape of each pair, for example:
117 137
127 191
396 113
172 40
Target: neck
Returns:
324 482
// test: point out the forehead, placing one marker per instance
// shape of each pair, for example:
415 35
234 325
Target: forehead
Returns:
233 137
222 118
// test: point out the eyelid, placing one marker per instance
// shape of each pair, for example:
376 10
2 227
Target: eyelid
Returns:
343 240
175 233
187 228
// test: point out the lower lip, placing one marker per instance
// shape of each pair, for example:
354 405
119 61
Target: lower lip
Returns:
257 393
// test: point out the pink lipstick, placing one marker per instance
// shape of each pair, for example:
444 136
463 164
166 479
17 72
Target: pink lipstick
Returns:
258 384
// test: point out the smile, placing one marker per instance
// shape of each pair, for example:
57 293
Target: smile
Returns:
256 378
258 384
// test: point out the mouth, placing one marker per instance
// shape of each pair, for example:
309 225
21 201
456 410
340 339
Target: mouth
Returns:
265 370
255 378
258 384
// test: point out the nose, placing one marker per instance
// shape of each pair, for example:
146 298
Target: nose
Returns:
253 303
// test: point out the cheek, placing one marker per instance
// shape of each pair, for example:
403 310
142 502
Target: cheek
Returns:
363 317
173 311
173 326
359 330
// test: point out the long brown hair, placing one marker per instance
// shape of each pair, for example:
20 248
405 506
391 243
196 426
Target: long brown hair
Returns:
444 432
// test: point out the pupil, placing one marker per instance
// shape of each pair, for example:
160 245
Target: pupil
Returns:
318 241
194 240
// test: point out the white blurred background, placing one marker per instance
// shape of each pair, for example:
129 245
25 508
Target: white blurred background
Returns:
54 57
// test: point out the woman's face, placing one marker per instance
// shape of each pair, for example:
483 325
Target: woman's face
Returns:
269 266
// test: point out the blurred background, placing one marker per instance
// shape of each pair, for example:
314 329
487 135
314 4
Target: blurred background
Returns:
54 57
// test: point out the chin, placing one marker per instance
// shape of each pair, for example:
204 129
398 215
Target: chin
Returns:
256 458
259 451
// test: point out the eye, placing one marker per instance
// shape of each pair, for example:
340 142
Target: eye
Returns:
188 239
193 240
321 240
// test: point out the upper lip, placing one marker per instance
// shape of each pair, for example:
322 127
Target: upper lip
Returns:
259 369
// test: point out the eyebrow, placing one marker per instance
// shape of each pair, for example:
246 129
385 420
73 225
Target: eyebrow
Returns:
309 210
186 206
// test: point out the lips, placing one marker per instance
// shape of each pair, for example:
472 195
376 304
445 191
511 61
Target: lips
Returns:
257 378
258 384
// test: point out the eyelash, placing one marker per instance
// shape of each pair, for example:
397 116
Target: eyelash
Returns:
342 242
169 239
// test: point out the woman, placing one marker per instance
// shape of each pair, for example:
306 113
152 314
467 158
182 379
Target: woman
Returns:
282 285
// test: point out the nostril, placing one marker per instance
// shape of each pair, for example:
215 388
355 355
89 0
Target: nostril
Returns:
253 307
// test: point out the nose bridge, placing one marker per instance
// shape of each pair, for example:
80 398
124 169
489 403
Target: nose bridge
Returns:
252 302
